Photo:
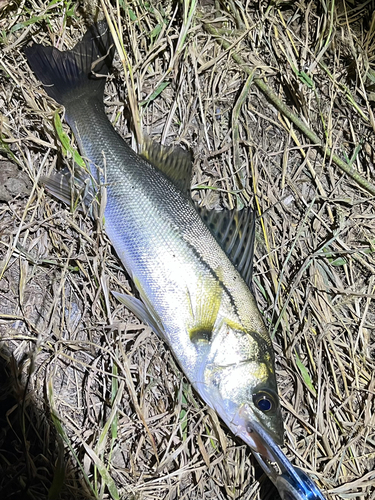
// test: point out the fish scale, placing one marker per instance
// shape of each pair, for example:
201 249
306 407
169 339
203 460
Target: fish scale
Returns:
171 227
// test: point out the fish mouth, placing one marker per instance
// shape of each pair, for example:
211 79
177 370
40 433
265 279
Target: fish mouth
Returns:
254 435
255 442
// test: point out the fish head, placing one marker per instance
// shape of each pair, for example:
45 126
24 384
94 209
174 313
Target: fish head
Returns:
239 382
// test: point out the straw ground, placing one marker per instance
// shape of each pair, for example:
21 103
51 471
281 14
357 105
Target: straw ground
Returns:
276 102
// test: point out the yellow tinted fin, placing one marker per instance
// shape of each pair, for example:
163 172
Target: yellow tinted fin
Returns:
205 310
175 163
234 230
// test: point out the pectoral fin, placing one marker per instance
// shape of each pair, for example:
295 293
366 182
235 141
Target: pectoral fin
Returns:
205 310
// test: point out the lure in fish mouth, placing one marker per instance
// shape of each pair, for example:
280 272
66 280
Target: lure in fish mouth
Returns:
192 268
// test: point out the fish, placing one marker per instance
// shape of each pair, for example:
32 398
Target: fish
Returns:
192 267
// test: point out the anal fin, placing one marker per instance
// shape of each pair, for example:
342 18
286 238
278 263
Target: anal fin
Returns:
76 190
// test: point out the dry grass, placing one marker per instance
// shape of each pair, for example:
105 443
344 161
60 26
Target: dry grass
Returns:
93 405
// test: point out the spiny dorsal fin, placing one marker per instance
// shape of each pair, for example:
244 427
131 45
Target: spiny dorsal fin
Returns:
234 230
174 162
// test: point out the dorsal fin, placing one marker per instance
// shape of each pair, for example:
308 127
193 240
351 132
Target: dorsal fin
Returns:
234 230
174 162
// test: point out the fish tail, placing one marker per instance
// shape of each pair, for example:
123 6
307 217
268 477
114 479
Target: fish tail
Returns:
75 74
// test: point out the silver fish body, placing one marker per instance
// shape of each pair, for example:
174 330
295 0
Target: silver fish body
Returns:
190 292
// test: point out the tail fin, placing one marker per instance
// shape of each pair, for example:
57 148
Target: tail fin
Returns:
72 75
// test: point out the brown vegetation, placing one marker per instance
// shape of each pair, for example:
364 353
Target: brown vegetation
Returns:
93 404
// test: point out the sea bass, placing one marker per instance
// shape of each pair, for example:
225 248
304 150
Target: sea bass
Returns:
192 290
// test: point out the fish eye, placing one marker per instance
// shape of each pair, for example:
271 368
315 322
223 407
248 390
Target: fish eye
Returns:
264 401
